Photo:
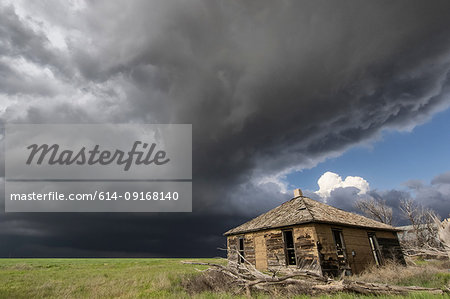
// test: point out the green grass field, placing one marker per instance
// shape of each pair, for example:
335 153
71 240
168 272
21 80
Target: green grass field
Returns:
98 278
120 278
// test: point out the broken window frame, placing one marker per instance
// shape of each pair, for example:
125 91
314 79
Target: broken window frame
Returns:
289 252
375 248
341 240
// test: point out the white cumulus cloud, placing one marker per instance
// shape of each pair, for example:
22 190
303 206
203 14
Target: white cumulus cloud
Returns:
330 181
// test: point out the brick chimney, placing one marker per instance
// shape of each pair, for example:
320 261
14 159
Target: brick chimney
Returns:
298 192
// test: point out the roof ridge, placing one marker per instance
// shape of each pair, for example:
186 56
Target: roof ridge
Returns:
346 212
302 209
308 208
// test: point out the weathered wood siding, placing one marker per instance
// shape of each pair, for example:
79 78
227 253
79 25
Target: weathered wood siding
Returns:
265 249
305 239
304 244
233 248
249 248
356 240
314 245
260 251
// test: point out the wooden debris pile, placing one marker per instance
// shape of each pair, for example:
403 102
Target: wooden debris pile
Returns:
244 278
439 252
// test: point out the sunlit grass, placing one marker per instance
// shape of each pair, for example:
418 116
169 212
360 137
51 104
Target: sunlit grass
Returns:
147 278
93 278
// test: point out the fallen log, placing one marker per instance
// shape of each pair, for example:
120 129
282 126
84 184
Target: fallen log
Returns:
250 280
373 288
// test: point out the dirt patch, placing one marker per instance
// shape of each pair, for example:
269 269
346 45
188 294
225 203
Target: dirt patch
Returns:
20 267
209 281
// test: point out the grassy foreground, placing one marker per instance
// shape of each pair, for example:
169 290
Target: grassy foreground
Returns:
93 278
126 278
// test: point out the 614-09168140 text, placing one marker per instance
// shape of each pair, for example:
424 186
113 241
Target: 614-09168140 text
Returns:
97 195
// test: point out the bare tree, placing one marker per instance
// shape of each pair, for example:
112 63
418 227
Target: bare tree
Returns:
423 223
444 233
376 209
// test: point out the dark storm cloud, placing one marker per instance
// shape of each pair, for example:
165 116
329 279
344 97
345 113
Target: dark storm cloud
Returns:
443 178
268 86
19 40
12 82
282 84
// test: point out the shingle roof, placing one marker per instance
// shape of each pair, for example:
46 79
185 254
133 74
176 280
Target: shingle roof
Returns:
305 210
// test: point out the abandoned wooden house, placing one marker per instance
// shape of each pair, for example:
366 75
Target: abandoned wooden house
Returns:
306 233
